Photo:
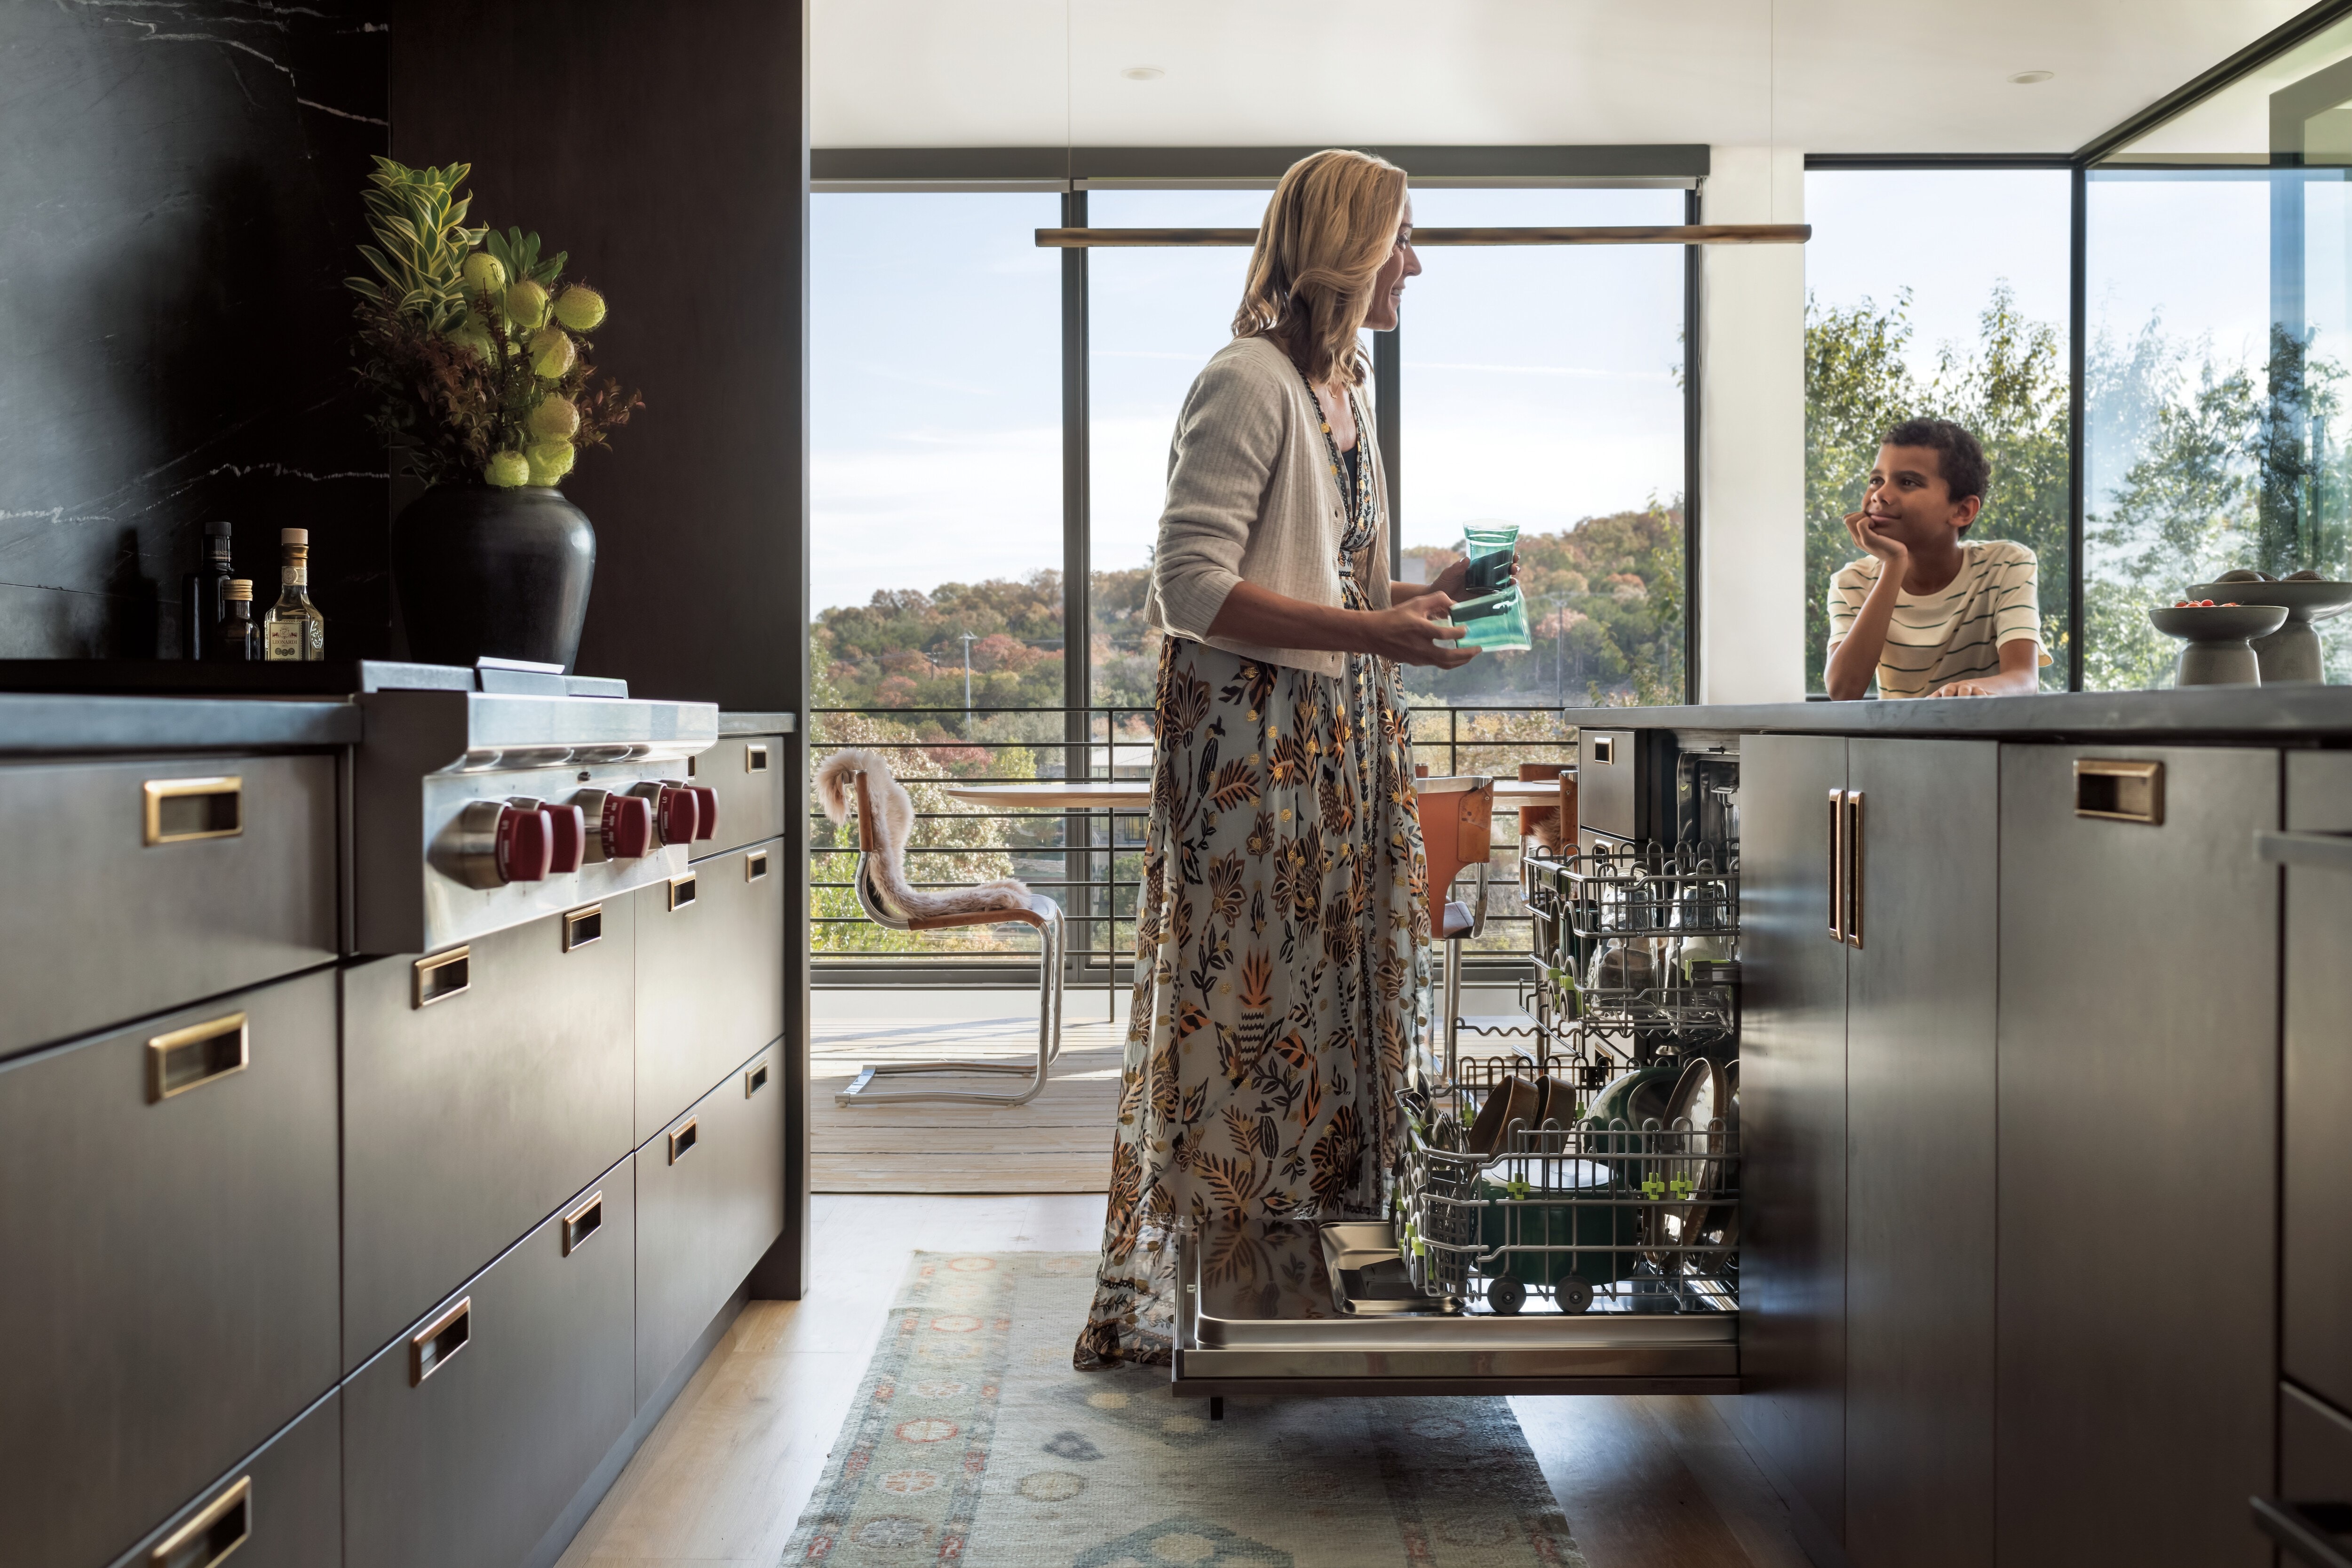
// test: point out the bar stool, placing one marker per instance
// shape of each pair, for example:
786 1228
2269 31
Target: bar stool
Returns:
1040 913
1457 822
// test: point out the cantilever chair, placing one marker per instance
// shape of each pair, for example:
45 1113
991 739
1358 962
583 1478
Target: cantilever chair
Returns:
1458 820
1040 913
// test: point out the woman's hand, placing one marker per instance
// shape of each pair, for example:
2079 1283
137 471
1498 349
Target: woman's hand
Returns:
1454 581
1408 633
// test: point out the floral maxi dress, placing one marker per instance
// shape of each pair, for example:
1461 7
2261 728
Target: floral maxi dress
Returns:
1282 942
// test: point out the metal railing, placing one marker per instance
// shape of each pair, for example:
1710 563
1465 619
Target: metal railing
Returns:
1088 860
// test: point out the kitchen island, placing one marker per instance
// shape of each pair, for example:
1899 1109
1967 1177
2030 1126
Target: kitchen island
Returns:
2044 1252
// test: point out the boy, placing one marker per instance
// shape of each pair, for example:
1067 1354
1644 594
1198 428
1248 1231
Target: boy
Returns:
1928 612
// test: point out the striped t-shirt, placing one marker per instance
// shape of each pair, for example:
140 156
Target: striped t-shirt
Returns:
1954 635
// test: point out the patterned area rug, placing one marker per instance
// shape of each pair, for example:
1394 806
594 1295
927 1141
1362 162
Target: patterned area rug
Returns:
972 1441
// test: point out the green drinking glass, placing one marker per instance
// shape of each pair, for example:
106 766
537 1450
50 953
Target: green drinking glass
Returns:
1496 623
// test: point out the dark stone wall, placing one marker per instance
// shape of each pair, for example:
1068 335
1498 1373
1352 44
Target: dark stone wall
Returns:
179 202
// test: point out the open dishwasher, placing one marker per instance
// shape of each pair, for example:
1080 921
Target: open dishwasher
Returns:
1565 1216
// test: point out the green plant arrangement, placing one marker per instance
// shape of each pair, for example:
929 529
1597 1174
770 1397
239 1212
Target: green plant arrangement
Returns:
476 349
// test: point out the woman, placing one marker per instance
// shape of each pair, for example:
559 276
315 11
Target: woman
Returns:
1282 930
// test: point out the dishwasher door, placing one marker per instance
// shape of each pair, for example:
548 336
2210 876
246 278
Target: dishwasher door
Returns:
1256 1313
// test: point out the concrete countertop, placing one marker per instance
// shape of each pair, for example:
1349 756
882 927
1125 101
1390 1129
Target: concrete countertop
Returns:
2298 713
36 725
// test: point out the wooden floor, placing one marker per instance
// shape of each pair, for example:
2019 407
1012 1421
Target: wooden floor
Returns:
1646 1482
1058 1143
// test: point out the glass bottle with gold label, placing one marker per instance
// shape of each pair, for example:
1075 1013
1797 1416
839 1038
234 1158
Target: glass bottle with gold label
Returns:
293 628
236 640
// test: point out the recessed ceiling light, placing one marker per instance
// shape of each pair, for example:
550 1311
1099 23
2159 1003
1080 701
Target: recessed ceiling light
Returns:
2028 78
1143 73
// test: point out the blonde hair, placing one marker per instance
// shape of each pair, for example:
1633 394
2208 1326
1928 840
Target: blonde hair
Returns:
1330 227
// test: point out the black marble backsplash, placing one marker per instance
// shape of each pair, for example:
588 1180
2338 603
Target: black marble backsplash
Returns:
179 203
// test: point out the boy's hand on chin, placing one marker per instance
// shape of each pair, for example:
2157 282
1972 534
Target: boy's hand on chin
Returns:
1890 549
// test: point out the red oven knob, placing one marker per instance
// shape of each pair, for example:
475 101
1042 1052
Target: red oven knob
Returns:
674 809
570 830
526 845
706 810
620 826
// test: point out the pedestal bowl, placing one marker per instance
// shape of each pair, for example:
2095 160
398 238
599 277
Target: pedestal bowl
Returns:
2292 652
2215 639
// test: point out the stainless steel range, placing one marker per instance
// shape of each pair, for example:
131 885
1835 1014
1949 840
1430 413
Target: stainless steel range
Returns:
476 811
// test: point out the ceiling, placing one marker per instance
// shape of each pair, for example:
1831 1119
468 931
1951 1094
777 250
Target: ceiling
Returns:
1824 75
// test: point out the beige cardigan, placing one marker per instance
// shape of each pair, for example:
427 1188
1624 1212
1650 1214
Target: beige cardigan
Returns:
1251 495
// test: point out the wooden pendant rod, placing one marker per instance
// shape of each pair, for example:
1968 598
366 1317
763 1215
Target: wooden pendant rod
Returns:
1668 234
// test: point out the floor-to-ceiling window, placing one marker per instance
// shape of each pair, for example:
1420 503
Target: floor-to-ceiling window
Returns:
936 536
2218 269
1939 292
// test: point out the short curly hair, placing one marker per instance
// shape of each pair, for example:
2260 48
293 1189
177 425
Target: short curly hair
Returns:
1958 458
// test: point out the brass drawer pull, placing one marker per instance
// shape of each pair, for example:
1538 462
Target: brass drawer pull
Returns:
755 1081
681 891
755 865
180 810
1853 843
198 1055
755 758
582 927
583 1222
430 1347
681 1142
442 976
2119 792
1837 867
220 1529
1604 750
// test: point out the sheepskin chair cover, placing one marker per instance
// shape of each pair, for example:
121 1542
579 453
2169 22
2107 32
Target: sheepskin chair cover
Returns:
836 791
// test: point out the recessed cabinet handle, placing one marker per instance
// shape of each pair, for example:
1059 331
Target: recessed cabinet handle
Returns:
219 1530
681 1142
755 1081
583 1222
681 891
1853 847
2119 791
2305 1529
1837 865
180 810
755 759
430 1348
1604 750
442 976
755 865
582 927
198 1055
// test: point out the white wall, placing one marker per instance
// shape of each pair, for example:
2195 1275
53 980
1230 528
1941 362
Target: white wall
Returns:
1752 436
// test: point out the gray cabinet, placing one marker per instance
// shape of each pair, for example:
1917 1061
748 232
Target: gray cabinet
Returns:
208 874
281 1506
2138 1110
709 987
467 1436
2316 1265
167 1260
748 773
1922 981
1792 1097
710 1198
467 1118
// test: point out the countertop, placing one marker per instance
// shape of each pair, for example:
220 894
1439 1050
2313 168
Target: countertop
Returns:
2290 714
36 724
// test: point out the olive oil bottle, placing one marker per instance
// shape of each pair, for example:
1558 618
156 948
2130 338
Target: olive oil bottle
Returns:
293 628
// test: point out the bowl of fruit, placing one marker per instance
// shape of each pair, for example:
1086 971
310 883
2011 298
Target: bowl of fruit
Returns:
2217 639
2292 652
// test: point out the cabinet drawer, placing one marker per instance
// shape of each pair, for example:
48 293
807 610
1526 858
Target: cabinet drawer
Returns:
710 977
100 924
748 773
470 1118
466 1439
279 1507
167 1260
706 1211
